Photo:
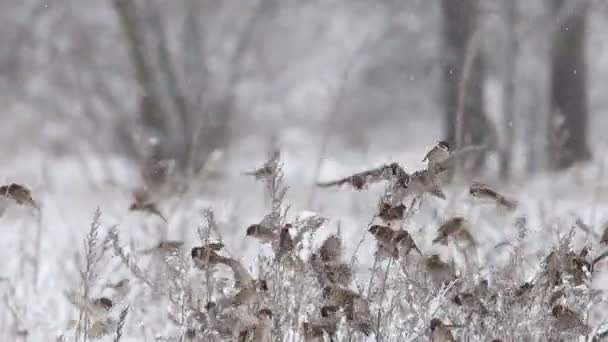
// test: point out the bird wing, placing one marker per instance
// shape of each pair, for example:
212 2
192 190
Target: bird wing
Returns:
368 176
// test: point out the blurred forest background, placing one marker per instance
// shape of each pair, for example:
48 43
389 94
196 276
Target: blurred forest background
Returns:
94 82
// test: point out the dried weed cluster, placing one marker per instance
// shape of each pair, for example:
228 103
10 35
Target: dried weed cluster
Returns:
304 293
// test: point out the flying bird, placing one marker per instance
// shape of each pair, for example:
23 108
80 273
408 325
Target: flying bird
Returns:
142 202
393 243
19 194
263 234
268 169
360 181
439 153
425 181
485 193
440 332
455 228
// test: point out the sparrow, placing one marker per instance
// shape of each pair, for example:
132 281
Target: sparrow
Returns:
567 319
389 213
165 247
263 328
393 243
355 307
425 181
439 153
331 249
142 202
19 194
331 273
439 271
207 255
249 294
102 327
268 169
230 323
455 228
361 180
440 332
286 244
483 192
99 308
604 238
263 234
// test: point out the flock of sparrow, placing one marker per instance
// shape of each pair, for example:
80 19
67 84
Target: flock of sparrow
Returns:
229 316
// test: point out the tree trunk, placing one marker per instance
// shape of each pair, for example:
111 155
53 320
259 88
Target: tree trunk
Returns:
506 151
568 116
462 78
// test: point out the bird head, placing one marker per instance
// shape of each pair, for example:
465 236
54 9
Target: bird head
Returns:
444 145
252 230
435 322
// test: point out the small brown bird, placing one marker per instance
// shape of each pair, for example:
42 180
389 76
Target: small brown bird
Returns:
315 331
286 244
331 249
485 193
393 243
263 234
455 228
207 255
263 327
361 180
389 213
99 308
604 238
425 181
440 332
355 307
437 154
268 169
439 271
165 247
249 294
567 319
19 194
142 202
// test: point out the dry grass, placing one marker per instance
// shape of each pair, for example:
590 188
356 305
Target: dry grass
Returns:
300 290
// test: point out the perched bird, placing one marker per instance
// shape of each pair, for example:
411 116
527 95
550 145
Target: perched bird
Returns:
207 255
425 181
390 213
263 327
19 194
263 234
316 330
440 332
331 249
165 247
455 228
567 319
142 202
355 307
404 242
360 181
485 193
393 243
331 272
604 238
268 169
437 154
439 271
470 301
248 294
286 244
230 323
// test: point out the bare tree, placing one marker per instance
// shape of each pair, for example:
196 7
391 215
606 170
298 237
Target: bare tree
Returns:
506 151
463 76
178 104
568 120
